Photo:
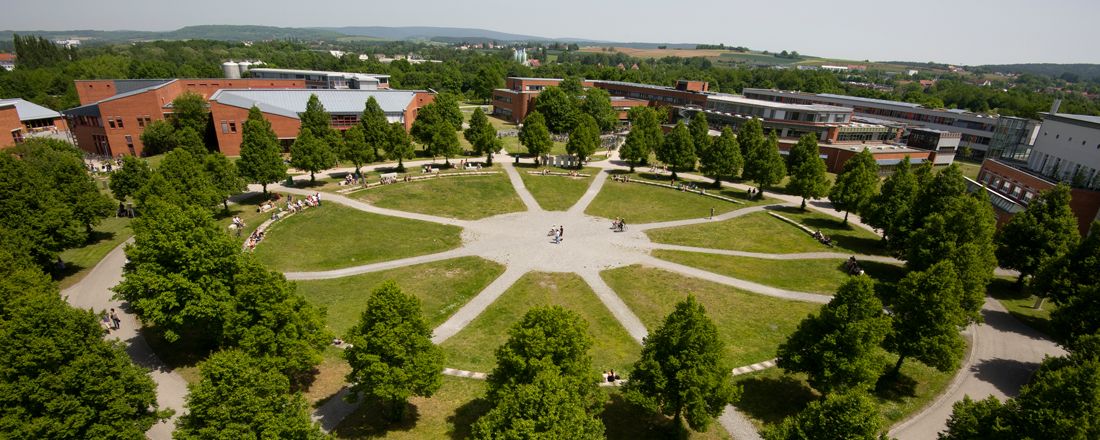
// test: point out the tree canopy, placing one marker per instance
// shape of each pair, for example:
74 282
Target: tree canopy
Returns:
189 111
311 153
261 156
677 150
559 109
585 138
128 179
723 157
315 119
892 209
482 136
375 131
535 136
763 163
856 184
848 415
1046 230
398 145
644 138
928 314
807 170
597 104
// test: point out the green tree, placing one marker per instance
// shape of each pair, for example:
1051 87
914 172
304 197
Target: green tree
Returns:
315 119
310 153
188 139
849 415
238 397
444 142
838 348
856 184
807 170
678 150
1071 281
60 378
763 163
356 150
392 356
722 158
447 104
128 179
559 109
398 145
551 406
158 137
891 210
597 104
644 138
700 133
225 177
749 136
572 87
189 111
1046 230
681 372
544 338
928 314
182 178
535 136
482 136
35 212
375 130
261 159
978 420
62 165
584 140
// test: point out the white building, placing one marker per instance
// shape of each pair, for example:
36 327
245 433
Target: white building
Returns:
1067 148
318 79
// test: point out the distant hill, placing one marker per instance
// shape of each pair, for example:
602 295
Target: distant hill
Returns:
430 32
1075 71
206 32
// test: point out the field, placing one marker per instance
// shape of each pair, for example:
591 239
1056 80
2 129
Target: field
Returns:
661 53
467 198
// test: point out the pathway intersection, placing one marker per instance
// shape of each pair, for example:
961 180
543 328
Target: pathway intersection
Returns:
520 242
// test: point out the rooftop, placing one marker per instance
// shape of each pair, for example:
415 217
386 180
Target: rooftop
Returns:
875 148
782 105
291 102
317 72
646 86
1083 120
29 111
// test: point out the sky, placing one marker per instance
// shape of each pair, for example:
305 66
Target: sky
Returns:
967 32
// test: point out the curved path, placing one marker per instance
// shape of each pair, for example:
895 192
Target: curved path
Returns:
1003 350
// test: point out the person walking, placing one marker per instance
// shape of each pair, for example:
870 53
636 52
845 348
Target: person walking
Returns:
561 232
115 321
712 213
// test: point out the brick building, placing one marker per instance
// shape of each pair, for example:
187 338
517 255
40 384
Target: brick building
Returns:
229 109
514 101
20 119
113 113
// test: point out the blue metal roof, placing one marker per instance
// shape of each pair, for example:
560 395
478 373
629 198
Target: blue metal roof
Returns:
291 102
29 111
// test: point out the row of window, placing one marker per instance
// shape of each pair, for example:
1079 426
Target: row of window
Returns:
1070 139
1008 187
228 126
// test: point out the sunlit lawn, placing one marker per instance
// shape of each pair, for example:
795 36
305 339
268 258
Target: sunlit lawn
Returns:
556 193
474 347
334 236
467 197
751 326
640 203
106 236
449 413
762 232
1021 304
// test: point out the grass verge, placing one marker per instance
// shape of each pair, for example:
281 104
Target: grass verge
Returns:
640 203
467 198
556 193
106 236
448 414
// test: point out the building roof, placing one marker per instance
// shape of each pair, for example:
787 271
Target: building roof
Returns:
29 111
773 104
317 72
291 102
871 100
645 86
8 57
875 148
1083 120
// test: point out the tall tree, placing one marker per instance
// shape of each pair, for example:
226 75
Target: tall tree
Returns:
356 149
1046 230
447 103
559 109
310 153
182 179
482 136
551 406
35 212
544 338
261 156
399 146
807 170
749 136
128 179
928 315
644 138
584 140
856 184
375 129
62 165
315 119
838 348
189 111
60 378
849 415
723 158
597 104
891 210
1071 281
681 372
444 141
572 87
188 139
238 397
763 163
678 150
158 137
392 356
225 177
700 133
535 136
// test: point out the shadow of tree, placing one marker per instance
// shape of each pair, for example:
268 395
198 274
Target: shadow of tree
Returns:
1008 375
464 417
771 399
369 421
627 421
895 388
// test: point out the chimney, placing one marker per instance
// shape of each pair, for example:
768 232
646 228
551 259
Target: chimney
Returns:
1054 106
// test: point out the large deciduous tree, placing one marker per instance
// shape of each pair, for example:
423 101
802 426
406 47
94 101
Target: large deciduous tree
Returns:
838 348
535 136
356 150
678 150
240 397
928 314
551 406
189 111
856 184
681 372
807 170
398 145
892 209
392 356
722 158
182 179
224 176
375 129
127 180
62 166
700 133
763 163
261 156
597 104
850 415
552 334
644 138
1046 230
584 140
1072 282
315 119
559 109
311 153
158 137
35 212
482 136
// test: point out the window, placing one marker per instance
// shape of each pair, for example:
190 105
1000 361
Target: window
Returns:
118 120
1016 192
225 127
111 122
232 126
141 122
17 135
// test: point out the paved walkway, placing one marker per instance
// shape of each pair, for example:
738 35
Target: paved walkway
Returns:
521 189
763 256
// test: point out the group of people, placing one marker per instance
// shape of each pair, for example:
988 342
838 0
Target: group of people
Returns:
110 321
824 239
659 170
558 232
253 239
852 266
611 377
618 178
238 225
618 225
300 204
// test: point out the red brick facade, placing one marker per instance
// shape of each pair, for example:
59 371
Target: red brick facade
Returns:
14 130
514 102
10 126
1021 187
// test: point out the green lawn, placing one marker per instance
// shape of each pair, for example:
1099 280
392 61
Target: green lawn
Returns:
247 210
556 193
442 287
110 233
474 347
817 276
318 239
512 146
467 198
770 395
639 203
969 169
751 326
449 413
1021 304
761 232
